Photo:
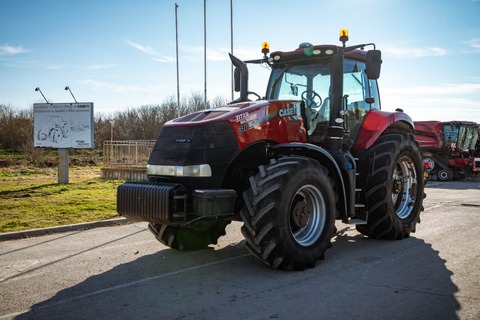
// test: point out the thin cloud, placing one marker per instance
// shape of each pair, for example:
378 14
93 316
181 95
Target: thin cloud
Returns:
474 43
11 50
405 52
461 88
197 53
443 89
157 56
219 54
52 67
100 66
118 88
442 108
192 53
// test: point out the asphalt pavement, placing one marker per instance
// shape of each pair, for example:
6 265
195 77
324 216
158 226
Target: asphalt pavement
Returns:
15 235
122 272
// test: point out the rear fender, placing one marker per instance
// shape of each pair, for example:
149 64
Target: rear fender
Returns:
376 122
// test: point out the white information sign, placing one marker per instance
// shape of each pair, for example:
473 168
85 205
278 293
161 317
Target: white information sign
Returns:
63 125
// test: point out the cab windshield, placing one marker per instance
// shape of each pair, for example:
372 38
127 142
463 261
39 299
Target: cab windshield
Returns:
311 83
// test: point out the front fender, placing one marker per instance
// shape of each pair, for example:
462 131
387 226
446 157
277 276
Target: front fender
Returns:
376 122
327 160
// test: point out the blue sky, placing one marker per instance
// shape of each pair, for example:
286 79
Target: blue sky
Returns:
121 54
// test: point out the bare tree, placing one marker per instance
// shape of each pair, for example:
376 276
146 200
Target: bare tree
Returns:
140 123
219 101
16 128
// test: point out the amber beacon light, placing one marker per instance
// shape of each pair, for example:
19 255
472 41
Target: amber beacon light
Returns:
265 48
344 36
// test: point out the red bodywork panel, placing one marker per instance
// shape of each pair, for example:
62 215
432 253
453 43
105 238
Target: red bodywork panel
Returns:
376 122
462 163
429 134
276 121
459 162
281 122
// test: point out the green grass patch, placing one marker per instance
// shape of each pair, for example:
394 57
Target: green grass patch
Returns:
33 200
11 154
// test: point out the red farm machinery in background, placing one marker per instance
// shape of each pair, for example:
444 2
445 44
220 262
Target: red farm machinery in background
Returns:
451 150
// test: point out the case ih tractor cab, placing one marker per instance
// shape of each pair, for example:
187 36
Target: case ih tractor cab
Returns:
315 150
450 149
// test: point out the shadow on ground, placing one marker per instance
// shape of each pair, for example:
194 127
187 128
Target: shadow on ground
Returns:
360 279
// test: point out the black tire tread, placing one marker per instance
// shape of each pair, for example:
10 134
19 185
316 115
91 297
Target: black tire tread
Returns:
382 220
261 200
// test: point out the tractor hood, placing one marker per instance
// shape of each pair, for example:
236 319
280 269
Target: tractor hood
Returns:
213 138
279 121
217 114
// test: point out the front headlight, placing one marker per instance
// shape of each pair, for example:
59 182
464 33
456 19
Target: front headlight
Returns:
200 170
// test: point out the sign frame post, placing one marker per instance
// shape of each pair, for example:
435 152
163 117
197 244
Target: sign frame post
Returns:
63 170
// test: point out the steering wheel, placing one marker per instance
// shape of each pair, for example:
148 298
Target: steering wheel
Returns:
314 102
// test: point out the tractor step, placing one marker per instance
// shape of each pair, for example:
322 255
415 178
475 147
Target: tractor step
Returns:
355 220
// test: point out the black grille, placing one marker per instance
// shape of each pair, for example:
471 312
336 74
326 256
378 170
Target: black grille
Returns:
149 201
214 144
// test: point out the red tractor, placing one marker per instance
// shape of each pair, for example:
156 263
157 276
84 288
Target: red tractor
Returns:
450 149
315 149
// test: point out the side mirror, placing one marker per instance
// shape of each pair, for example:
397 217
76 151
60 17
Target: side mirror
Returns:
373 63
236 80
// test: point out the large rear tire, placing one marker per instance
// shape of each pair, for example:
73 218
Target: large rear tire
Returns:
394 188
289 213
186 239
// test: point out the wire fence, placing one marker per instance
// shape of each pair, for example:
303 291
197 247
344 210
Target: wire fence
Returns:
127 152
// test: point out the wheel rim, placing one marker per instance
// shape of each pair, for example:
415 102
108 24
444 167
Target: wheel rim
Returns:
404 187
308 215
443 175
429 164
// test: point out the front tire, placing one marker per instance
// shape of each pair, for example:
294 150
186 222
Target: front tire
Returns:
394 188
289 213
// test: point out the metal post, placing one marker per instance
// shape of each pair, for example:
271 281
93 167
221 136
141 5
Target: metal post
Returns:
68 88
176 52
62 166
205 48
231 41
111 143
38 89
136 152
